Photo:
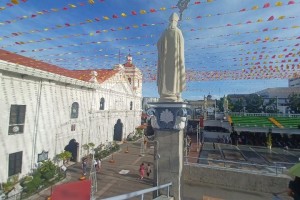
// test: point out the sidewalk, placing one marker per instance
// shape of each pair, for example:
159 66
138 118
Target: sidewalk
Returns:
109 181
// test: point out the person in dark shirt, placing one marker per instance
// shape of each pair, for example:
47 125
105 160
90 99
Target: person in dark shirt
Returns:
294 188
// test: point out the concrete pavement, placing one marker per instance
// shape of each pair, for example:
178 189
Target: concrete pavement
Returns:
111 183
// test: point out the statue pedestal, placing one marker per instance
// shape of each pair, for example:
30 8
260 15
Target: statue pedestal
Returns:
163 197
168 121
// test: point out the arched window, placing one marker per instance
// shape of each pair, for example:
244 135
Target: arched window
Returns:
131 105
129 79
102 103
74 110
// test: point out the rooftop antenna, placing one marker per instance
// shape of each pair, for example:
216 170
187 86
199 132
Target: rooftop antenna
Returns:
182 5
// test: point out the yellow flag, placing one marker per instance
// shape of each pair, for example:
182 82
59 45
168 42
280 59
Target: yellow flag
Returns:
254 8
210 1
260 20
72 5
281 17
15 1
91 1
106 18
123 15
143 12
278 3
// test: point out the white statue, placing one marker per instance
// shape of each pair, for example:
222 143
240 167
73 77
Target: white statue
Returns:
94 75
225 105
171 69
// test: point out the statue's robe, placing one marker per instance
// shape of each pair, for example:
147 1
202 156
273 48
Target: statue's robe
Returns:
171 69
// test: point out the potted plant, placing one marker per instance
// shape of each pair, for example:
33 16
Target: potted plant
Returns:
47 170
88 146
64 156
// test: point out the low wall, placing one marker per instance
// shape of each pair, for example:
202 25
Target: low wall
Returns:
210 134
237 180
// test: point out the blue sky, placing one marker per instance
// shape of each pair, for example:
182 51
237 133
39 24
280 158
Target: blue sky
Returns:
221 37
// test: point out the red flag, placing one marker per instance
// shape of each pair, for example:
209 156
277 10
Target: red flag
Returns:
267 5
291 2
271 18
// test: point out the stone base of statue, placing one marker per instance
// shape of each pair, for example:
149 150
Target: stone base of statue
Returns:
168 120
170 98
164 197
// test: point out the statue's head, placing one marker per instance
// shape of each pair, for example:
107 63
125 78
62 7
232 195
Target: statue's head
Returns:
174 17
173 20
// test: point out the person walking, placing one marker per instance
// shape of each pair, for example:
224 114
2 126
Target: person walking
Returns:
148 170
98 168
84 166
142 171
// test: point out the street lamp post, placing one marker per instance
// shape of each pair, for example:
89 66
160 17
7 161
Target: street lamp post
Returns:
157 157
93 177
198 138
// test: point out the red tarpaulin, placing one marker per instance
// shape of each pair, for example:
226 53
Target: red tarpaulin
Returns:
80 190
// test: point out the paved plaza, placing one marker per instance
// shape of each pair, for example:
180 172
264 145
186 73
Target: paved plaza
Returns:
111 183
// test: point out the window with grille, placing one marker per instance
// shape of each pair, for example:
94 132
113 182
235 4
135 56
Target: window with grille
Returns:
131 104
73 127
15 163
74 110
102 103
16 119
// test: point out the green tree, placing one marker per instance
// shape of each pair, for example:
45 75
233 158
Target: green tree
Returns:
254 103
88 147
34 184
294 103
64 156
220 104
47 169
235 106
270 106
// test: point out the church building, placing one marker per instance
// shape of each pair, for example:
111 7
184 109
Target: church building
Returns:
46 109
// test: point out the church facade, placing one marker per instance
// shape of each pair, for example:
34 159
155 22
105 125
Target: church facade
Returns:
46 109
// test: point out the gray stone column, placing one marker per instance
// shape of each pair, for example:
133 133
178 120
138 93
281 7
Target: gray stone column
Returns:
168 121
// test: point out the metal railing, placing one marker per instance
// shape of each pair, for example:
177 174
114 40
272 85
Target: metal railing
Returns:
238 166
140 193
264 114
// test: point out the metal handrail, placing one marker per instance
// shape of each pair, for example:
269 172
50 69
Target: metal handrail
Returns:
276 167
140 193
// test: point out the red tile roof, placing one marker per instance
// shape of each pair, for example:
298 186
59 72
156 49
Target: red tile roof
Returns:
103 74
84 75
128 64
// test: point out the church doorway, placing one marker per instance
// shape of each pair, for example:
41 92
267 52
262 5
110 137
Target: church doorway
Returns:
73 148
118 130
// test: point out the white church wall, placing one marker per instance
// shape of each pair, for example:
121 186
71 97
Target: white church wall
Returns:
48 116
19 91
